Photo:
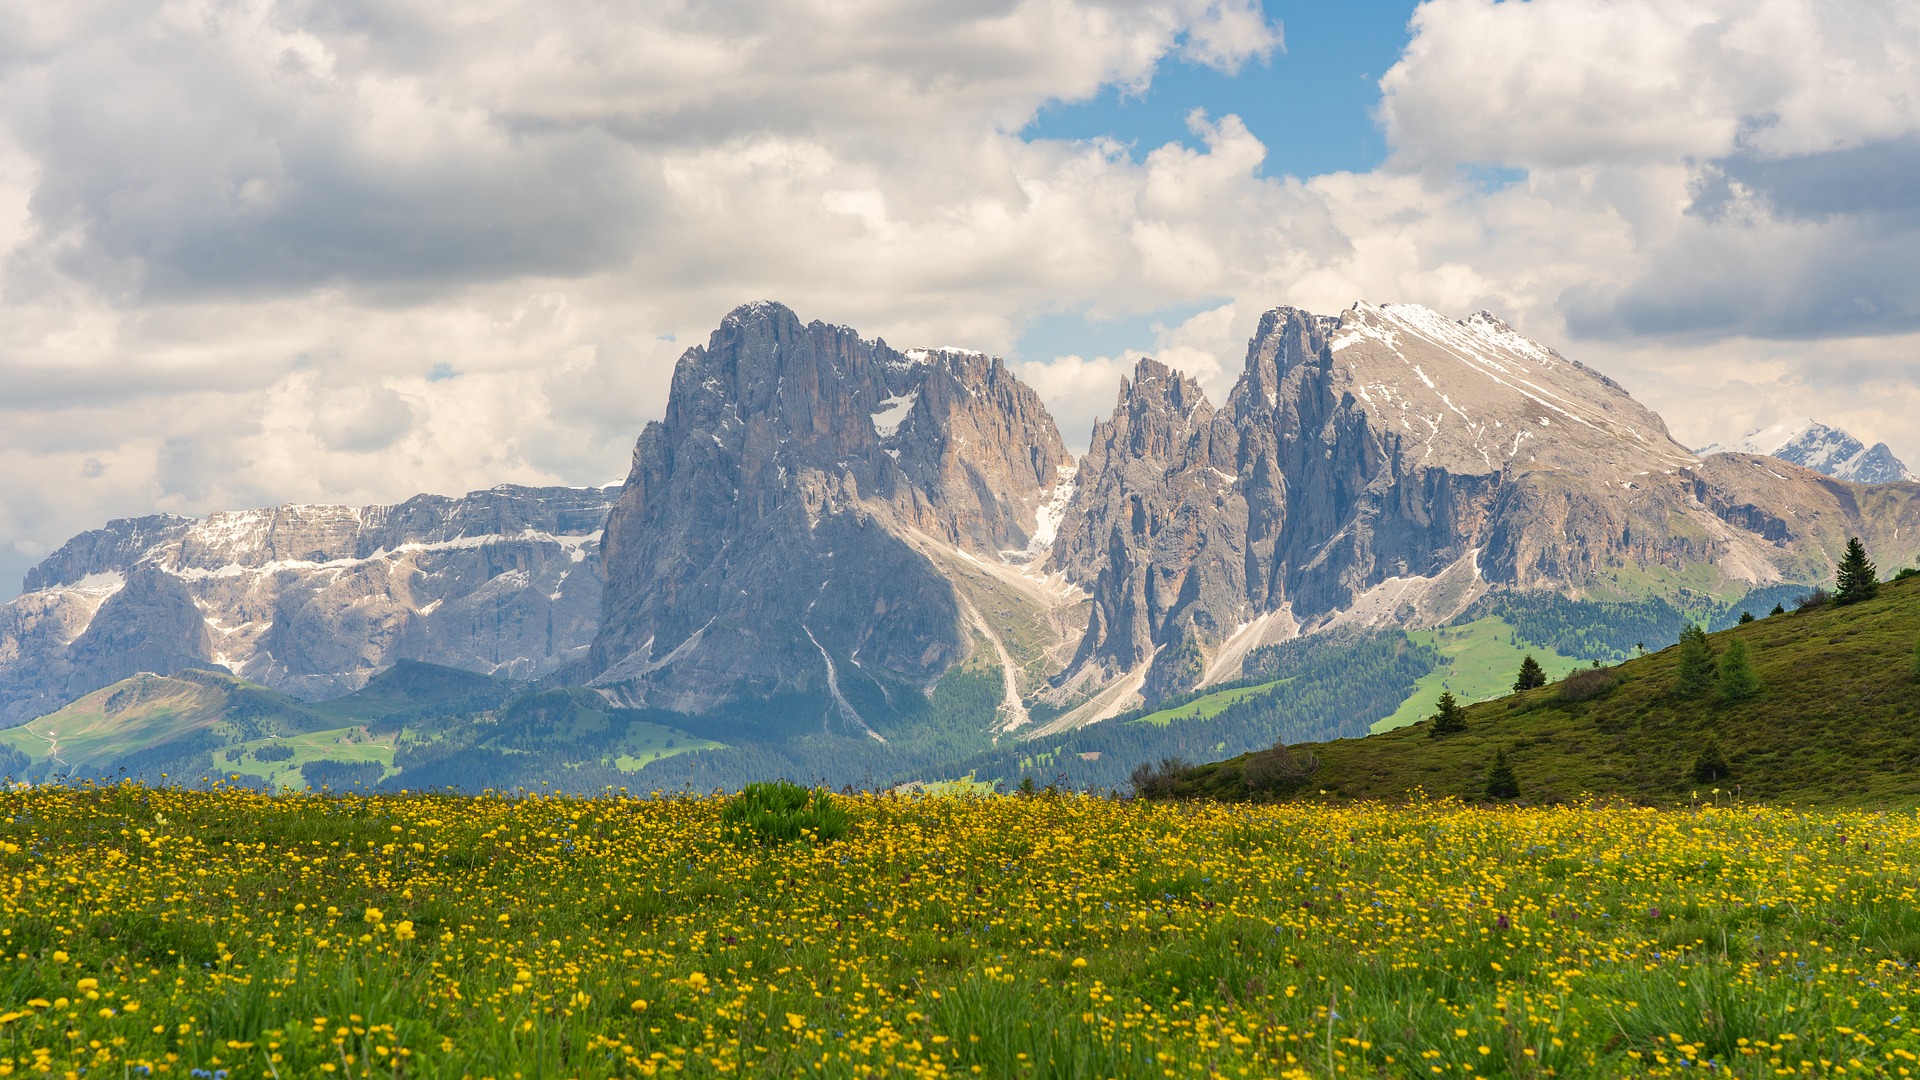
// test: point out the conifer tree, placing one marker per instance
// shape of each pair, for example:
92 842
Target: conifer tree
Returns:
1532 675
1697 667
1737 680
1858 578
1710 764
1450 718
1501 783
1746 617
1778 609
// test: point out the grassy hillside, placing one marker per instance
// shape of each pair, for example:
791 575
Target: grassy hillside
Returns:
278 760
196 721
1479 662
426 937
138 717
1837 722
1207 706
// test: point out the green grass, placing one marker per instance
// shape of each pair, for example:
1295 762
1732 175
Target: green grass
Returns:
148 711
1206 708
349 744
1482 659
643 744
167 932
1837 723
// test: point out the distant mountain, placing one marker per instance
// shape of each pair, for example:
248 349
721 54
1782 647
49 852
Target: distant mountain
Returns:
1826 450
311 600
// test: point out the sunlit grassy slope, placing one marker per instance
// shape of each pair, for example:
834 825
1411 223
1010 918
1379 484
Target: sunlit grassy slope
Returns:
139 714
1482 658
1207 707
259 757
1837 722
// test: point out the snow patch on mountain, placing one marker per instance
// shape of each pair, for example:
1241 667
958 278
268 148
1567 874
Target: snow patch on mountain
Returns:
893 412
1828 451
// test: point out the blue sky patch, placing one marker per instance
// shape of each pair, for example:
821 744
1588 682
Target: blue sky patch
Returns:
1312 105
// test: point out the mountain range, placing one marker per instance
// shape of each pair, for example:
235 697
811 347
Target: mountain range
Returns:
825 530
311 600
1826 450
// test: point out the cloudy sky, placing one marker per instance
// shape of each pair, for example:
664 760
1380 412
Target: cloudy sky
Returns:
259 251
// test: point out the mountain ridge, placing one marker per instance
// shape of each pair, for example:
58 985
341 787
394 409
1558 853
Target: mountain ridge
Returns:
1826 450
311 599
822 520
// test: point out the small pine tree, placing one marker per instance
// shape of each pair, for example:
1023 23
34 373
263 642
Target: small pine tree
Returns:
1501 783
1532 675
1858 580
1746 617
1697 667
1778 609
1450 718
1737 680
1710 765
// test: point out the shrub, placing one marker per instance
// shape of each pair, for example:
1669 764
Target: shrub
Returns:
1905 573
1710 765
1449 718
1587 684
1279 770
1814 599
1151 783
1778 609
1501 783
780 811
1746 617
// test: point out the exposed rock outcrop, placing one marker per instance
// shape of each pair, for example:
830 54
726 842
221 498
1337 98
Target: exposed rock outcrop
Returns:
823 516
791 524
1157 531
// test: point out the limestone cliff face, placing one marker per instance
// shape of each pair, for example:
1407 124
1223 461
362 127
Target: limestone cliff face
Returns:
1157 531
311 600
781 529
1391 464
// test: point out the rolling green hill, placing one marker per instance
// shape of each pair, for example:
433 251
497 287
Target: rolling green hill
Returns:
1478 662
1837 721
200 720
148 718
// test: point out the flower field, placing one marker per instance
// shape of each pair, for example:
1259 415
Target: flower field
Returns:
231 933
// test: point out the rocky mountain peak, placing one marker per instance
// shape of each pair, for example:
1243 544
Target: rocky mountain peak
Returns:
798 480
1388 466
1826 450
1156 531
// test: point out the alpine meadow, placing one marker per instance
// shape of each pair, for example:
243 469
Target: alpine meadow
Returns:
1028 540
